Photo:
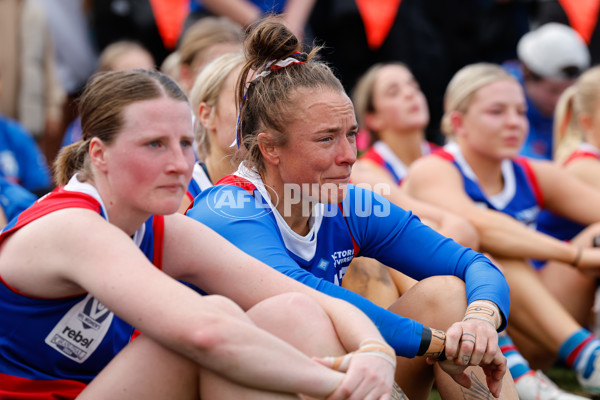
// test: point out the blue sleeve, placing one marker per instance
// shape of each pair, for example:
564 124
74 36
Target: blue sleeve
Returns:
398 239
253 229
34 174
14 198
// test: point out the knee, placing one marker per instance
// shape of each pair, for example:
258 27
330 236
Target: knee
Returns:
437 301
441 292
288 307
225 305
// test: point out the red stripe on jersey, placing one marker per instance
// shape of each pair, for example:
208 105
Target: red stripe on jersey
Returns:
374 156
581 154
237 181
13 387
443 154
135 334
523 162
42 207
158 226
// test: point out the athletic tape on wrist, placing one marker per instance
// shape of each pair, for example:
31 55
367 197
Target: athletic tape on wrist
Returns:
436 346
368 347
484 310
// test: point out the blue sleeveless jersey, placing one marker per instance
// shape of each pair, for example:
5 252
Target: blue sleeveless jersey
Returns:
559 227
383 156
363 224
200 181
520 198
51 348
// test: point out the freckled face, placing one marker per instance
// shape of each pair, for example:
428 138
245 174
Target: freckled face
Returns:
149 165
399 103
495 123
321 147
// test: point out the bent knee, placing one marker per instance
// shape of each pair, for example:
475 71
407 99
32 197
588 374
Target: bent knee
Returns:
440 289
437 301
289 306
224 304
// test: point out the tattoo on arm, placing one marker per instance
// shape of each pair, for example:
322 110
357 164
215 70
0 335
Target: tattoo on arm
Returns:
478 390
397 393
437 345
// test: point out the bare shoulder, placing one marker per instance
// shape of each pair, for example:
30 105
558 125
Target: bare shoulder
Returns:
366 171
586 169
547 172
37 258
430 168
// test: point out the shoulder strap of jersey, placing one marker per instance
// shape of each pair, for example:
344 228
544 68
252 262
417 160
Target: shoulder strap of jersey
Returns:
372 155
158 227
56 200
530 174
238 181
441 152
578 154
433 147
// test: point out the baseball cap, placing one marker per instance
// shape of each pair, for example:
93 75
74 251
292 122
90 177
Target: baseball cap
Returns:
554 51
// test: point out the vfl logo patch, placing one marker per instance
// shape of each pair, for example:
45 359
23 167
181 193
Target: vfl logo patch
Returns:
323 264
81 330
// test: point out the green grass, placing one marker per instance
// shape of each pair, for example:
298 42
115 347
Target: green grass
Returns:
564 378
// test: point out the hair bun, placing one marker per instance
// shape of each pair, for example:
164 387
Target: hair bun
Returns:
268 40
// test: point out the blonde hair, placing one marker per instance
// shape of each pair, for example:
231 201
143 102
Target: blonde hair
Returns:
268 104
580 98
116 50
204 34
207 88
101 108
362 95
463 86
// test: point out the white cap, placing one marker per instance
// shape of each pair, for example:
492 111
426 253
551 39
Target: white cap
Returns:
552 47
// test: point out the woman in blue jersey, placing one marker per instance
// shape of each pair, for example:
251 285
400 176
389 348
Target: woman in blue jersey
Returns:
577 150
13 199
93 262
391 108
290 205
479 176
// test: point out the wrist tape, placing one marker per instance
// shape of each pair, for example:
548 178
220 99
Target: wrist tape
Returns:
433 344
485 311
368 347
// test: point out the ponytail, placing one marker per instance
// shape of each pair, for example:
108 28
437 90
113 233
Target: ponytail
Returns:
70 160
567 132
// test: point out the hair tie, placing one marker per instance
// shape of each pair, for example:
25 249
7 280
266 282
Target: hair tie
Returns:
274 65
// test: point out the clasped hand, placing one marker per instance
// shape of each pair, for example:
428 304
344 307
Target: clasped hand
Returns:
474 343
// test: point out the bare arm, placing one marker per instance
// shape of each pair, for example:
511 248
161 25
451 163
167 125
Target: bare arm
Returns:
57 256
436 181
241 11
373 177
228 271
296 14
587 170
566 195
